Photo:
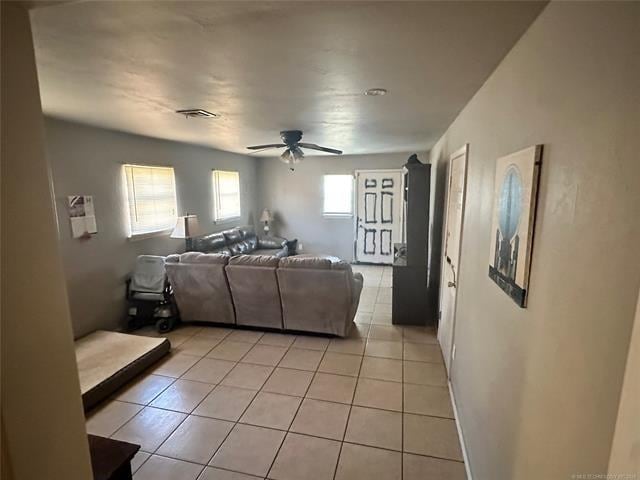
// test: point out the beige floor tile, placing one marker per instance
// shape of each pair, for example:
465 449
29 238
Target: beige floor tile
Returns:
427 400
265 355
420 335
321 419
213 332
110 416
382 309
183 329
144 389
424 373
386 281
358 462
381 319
212 473
417 467
209 370
366 308
303 457
370 293
150 428
363 317
271 410
376 428
245 375
138 459
182 396
162 468
384 349
288 382
385 295
381 369
228 350
311 343
175 364
352 346
340 364
177 340
359 331
301 359
333 388
225 403
422 352
249 336
199 346
384 332
249 449
196 439
378 394
277 339
436 437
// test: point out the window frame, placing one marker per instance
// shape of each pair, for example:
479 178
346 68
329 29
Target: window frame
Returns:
351 199
159 231
216 197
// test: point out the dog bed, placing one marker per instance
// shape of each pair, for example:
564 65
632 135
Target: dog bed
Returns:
108 360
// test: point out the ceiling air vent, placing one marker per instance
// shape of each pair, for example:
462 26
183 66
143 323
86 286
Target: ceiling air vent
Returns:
196 113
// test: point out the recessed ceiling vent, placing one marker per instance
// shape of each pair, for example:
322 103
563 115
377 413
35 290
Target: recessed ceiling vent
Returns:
197 113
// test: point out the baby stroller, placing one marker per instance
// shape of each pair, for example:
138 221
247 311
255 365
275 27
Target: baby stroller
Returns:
150 296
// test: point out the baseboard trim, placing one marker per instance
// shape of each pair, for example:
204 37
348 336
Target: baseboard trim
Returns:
463 444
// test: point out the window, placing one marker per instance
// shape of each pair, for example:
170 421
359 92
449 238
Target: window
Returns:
338 195
226 195
151 199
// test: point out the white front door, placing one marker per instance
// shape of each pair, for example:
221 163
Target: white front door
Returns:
379 220
456 187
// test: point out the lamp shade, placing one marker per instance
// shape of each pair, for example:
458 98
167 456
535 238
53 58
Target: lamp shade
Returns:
186 227
266 215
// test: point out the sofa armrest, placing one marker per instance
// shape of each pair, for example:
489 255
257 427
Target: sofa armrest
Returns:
358 283
271 242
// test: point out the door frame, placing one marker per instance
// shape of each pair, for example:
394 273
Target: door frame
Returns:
357 207
462 151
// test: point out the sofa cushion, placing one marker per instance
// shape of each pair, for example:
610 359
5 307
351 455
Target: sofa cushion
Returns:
234 248
243 246
232 236
308 262
255 260
209 243
271 242
198 257
225 251
252 240
270 252
246 231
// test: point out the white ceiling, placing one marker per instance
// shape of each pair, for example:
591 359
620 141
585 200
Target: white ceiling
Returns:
270 66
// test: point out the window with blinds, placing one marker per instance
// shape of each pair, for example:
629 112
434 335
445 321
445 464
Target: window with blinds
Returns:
226 195
338 195
151 199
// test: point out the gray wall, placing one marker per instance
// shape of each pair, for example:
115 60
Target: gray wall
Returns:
296 198
87 160
538 389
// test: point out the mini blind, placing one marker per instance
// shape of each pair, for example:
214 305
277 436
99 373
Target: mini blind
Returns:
151 198
226 195
338 195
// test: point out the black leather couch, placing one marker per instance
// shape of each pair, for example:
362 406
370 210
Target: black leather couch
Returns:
240 241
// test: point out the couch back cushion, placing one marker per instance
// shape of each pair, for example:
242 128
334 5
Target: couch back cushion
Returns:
306 262
209 243
232 236
198 257
255 260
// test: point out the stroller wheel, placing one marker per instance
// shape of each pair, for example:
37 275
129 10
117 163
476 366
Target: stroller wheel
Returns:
164 325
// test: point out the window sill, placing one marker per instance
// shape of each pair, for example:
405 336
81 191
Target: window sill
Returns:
337 215
225 221
143 236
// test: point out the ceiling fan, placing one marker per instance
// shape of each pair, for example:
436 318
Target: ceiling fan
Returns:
293 153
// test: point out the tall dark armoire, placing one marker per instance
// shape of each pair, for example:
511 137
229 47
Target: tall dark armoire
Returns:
411 258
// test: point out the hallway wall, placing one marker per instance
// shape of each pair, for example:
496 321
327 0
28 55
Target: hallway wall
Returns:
538 388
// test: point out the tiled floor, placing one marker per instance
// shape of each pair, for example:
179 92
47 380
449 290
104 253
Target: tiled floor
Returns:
240 405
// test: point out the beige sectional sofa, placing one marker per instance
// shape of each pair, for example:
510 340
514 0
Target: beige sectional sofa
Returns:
312 294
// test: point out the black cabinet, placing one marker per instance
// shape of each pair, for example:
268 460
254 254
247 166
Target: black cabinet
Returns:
411 269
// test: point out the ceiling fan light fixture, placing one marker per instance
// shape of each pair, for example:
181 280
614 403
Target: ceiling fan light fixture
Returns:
375 92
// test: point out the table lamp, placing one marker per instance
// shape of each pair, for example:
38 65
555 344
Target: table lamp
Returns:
266 217
187 227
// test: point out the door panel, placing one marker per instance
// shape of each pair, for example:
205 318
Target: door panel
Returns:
451 256
379 220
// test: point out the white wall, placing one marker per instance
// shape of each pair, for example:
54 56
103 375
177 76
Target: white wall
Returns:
42 419
296 198
537 388
87 160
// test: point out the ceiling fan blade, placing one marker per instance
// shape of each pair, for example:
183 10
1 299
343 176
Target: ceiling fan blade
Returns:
313 146
263 147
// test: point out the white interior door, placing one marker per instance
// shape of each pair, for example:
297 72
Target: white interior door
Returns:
454 218
379 219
